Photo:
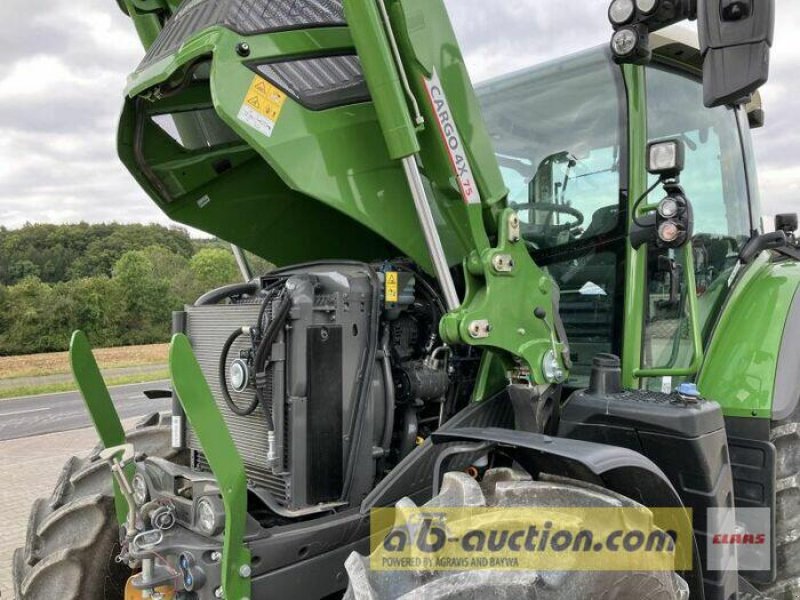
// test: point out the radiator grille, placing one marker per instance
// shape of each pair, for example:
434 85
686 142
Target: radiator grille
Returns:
207 328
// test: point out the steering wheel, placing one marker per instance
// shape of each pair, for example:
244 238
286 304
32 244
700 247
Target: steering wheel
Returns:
545 231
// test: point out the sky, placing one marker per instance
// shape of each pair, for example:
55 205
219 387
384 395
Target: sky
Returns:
64 65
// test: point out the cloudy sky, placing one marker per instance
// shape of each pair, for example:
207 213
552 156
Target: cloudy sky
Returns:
64 65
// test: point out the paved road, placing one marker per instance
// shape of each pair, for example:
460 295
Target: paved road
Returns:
49 413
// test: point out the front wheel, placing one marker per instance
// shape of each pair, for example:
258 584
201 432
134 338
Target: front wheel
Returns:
511 488
73 536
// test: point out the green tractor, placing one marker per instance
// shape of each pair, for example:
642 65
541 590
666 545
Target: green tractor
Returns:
483 298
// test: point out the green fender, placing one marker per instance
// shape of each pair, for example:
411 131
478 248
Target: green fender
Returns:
751 366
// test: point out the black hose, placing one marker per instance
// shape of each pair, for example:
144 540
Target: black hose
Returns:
267 340
237 289
388 381
223 378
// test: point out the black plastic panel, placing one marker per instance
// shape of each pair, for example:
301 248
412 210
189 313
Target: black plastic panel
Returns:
324 414
754 465
687 441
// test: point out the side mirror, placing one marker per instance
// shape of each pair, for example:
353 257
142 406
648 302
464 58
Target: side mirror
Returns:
787 223
735 40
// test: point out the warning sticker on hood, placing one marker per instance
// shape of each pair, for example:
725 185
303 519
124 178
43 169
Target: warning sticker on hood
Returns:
262 106
452 140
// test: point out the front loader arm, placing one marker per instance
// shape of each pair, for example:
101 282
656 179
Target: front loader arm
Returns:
149 16
431 121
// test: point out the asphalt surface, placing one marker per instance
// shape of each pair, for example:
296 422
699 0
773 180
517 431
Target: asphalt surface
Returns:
65 411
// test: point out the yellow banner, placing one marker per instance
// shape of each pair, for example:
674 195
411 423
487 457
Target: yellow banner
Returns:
544 539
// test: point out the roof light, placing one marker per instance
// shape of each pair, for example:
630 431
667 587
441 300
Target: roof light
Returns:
621 12
647 6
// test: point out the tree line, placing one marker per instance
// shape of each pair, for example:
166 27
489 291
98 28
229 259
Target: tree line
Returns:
119 283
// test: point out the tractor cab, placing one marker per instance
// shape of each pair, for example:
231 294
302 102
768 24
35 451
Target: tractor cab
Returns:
564 138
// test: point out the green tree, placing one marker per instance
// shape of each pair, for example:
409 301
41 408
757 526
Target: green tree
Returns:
19 270
30 306
214 267
144 299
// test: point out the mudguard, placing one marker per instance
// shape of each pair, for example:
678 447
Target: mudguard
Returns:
617 469
751 366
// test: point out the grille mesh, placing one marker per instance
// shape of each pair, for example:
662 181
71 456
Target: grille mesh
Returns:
246 17
319 83
207 328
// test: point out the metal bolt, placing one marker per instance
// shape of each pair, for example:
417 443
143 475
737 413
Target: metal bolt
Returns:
503 263
216 556
514 234
245 571
218 592
243 49
479 329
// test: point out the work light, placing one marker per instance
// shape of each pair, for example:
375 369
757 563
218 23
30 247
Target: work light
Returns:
621 11
666 158
647 7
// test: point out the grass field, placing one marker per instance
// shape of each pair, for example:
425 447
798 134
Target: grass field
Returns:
34 374
56 363
68 386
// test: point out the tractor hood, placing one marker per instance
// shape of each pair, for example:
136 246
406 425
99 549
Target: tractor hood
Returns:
251 120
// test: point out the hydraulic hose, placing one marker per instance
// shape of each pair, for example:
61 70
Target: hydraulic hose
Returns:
388 426
223 378
267 340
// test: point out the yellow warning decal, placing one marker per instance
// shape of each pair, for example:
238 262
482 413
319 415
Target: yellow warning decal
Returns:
392 287
262 106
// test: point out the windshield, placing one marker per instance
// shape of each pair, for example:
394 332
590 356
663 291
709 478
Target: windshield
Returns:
556 131
716 183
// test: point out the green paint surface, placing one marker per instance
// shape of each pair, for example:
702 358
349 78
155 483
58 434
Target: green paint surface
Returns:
98 402
195 396
742 359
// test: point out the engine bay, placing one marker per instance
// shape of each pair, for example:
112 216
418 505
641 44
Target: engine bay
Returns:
327 375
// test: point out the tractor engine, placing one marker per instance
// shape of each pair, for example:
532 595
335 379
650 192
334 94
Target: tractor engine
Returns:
326 375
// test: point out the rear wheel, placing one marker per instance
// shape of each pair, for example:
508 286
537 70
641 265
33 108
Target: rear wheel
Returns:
73 536
506 487
786 437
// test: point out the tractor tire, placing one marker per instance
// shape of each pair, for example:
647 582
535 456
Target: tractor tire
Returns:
73 536
786 437
507 487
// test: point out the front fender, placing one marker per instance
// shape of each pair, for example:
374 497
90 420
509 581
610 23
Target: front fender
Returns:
751 368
